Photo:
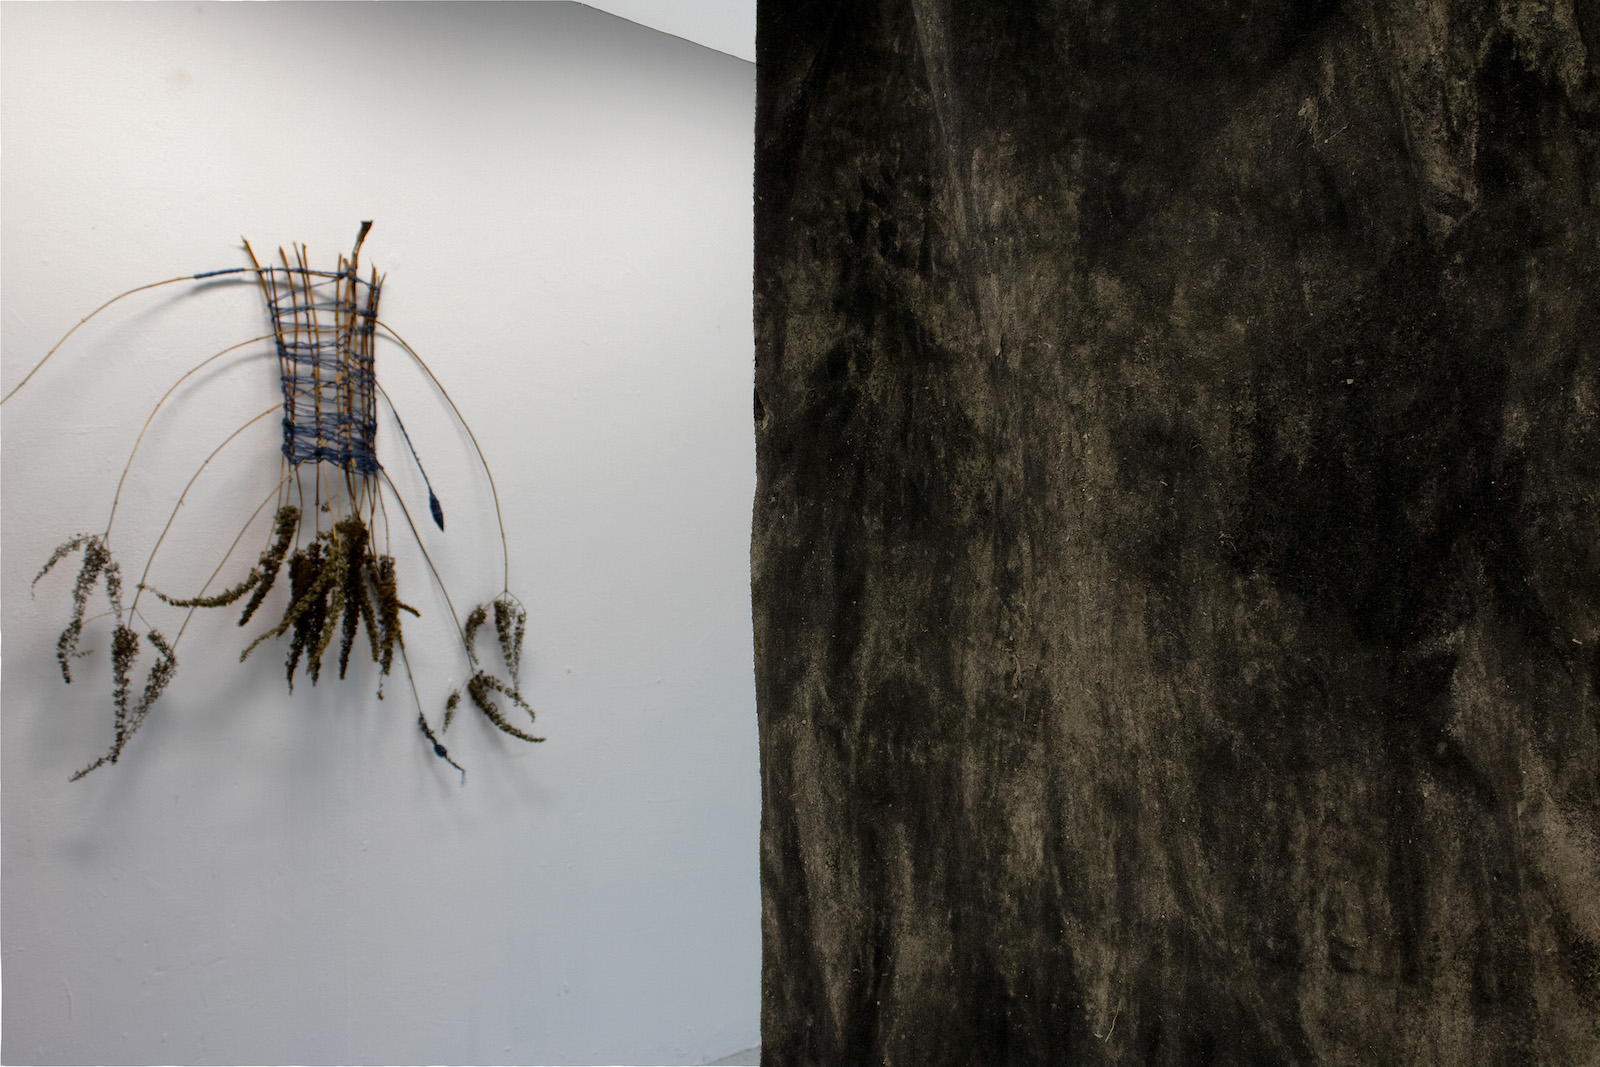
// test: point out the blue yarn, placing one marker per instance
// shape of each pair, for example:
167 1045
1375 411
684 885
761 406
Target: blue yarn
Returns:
434 507
325 358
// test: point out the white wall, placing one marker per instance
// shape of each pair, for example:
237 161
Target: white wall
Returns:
562 207
726 25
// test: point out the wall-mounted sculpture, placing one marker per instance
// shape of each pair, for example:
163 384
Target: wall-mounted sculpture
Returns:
331 525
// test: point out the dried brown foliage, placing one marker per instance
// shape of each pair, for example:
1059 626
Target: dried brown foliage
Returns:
260 578
97 564
356 591
479 688
337 583
510 624
124 650
389 609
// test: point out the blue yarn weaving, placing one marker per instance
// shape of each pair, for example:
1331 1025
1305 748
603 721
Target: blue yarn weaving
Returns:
324 323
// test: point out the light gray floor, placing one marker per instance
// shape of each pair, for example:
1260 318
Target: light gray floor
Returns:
750 1056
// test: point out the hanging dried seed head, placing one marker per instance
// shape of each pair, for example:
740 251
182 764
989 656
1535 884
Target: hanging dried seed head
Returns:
510 623
286 523
357 576
161 672
479 688
260 578
124 647
389 609
475 618
307 610
97 563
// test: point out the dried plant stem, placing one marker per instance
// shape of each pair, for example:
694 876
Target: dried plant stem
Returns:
429 559
124 647
422 720
117 497
510 626
479 687
97 564
229 555
505 550
173 517
482 684
96 311
308 585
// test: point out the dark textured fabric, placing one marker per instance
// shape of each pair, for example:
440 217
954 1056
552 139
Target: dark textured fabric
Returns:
1176 559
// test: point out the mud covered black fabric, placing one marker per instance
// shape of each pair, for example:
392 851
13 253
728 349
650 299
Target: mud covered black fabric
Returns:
1176 559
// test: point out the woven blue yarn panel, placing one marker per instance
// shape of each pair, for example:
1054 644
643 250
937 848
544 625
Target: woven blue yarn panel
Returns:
325 324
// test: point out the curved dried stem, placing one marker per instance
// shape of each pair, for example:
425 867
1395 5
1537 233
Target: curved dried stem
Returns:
260 577
505 550
120 296
261 592
422 720
429 559
126 467
173 517
479 688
